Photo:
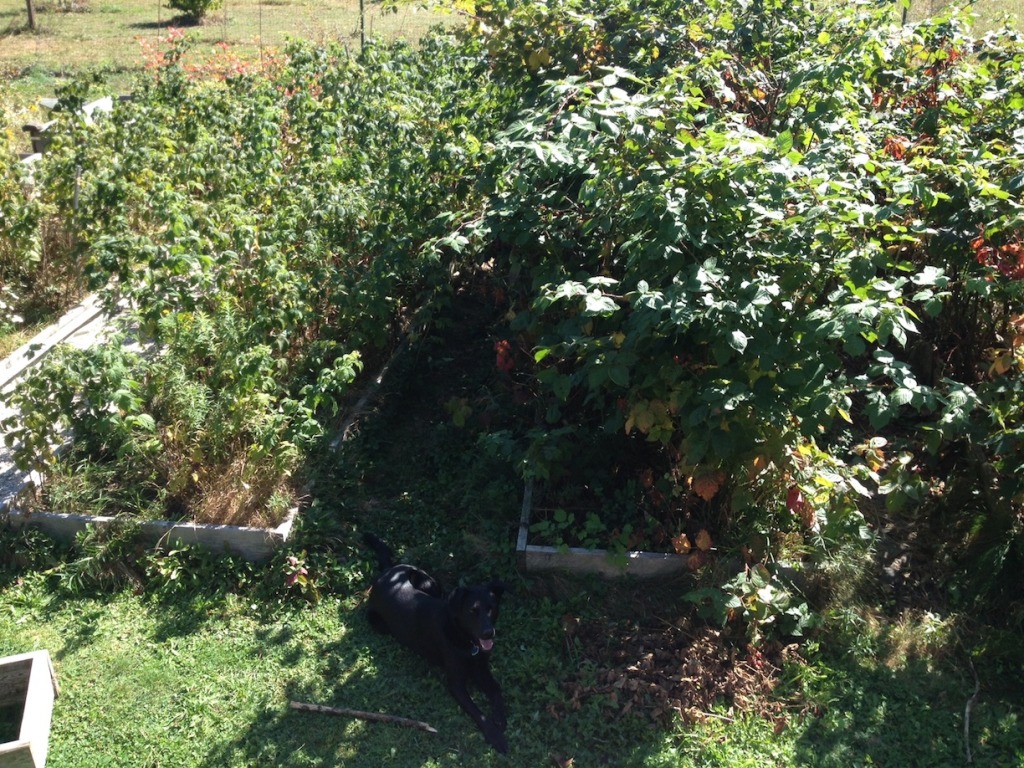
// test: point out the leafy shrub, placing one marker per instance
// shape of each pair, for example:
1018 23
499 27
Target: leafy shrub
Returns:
24 549
764 603
763 236
40 265
195 10
780 244
263 236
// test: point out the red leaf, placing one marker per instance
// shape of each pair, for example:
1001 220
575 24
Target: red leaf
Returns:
505 363
798 505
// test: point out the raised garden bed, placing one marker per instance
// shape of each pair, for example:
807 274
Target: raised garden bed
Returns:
535 558
28 687
81 327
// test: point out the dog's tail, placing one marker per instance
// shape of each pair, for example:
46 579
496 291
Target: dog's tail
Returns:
384 555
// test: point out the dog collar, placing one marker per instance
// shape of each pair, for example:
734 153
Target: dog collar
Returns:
474 649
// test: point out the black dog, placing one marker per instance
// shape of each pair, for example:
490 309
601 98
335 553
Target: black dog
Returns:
456 633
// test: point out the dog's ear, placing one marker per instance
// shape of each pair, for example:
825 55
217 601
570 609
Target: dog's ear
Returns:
497 588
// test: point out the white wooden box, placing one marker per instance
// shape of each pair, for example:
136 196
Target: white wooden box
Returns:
28 687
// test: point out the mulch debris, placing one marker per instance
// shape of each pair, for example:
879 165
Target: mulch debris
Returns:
678 671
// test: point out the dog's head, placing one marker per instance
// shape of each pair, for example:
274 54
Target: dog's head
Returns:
475 610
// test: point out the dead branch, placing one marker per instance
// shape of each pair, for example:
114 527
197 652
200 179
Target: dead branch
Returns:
376 717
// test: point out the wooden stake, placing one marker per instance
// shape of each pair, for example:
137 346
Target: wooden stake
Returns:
31 15
967 712
376 717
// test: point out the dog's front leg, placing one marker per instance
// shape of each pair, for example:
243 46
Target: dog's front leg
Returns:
491 729
485 681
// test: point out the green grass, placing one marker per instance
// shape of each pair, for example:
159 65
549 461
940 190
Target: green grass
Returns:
109 35
11 341
207 681
909 716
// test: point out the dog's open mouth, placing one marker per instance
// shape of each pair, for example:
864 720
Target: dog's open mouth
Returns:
486 645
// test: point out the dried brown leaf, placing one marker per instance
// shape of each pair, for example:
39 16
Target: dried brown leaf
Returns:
681 544
706 486
703 540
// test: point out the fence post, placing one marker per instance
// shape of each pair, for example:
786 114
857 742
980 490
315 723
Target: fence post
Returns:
32 15
362 28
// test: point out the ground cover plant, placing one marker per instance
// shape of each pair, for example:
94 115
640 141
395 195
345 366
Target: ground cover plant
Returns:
787 253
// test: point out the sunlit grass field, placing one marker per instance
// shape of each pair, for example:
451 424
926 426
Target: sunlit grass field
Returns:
112 35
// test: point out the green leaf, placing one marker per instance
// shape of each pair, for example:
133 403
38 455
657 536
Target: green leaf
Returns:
619 375
738 341
784 142
901 396
561 386
144 422
599 304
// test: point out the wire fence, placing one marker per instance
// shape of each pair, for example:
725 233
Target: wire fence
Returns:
117 34
988 14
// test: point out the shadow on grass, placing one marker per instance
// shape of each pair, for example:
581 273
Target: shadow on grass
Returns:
365 671
911 716
423 485
174 22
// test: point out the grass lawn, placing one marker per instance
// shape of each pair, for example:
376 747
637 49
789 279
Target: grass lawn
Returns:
207 682
201 674
110 36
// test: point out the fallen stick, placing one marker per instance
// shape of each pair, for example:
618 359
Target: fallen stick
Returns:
376 717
